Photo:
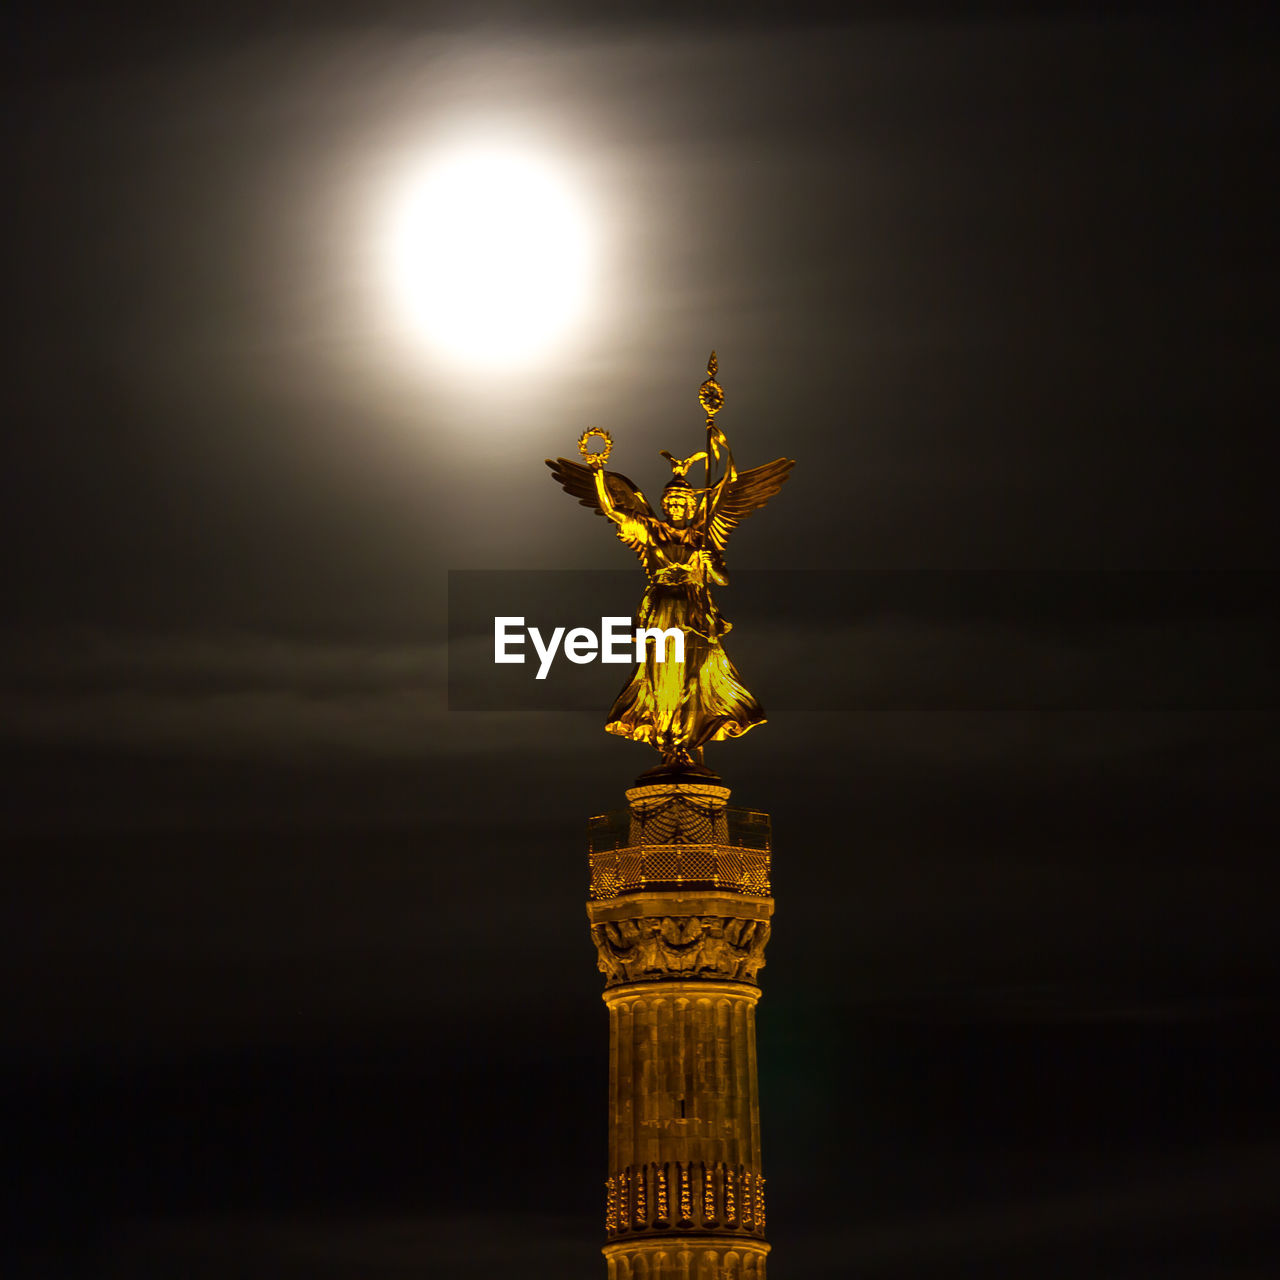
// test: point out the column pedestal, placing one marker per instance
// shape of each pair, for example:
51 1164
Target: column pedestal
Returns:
680 927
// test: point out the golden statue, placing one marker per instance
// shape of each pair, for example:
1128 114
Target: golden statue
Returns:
679 707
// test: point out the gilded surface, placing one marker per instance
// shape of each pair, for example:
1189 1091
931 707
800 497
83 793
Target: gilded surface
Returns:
685 1193
690 1258
682 836
717 1204
652 948
713 866
679 707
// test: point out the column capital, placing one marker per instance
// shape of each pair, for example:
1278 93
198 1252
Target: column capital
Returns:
681 937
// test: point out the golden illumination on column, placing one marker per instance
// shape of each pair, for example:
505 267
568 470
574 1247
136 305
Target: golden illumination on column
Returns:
680 904
679 913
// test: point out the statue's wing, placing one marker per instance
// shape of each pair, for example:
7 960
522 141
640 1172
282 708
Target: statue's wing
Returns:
748 493
577 481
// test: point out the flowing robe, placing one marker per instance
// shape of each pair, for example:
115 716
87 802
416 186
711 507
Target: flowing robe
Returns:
679 707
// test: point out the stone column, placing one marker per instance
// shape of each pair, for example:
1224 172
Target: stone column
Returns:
680 916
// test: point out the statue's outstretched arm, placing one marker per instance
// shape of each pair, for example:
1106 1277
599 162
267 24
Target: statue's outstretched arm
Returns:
608 493
630 527
603 496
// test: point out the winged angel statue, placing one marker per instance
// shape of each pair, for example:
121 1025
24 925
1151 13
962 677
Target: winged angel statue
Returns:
679 707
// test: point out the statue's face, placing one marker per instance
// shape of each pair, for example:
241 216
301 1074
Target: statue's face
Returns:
679 506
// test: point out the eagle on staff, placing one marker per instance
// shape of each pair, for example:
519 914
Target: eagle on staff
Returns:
679 707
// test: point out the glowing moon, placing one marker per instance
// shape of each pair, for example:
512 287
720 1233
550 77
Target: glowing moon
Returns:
491 256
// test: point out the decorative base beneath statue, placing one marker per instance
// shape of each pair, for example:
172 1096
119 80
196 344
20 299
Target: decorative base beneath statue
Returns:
696 773
679 835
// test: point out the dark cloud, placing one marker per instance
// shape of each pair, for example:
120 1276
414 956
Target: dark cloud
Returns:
320 1247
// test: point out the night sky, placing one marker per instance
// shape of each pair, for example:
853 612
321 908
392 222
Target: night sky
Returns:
298 980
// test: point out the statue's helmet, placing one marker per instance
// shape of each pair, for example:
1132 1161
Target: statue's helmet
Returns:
679 488
679 498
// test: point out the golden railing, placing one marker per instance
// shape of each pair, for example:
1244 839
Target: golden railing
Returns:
707 866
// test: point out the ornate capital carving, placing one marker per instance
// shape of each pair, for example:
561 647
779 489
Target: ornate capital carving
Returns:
659 947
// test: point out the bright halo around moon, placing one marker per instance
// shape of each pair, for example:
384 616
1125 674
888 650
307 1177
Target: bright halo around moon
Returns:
491 256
